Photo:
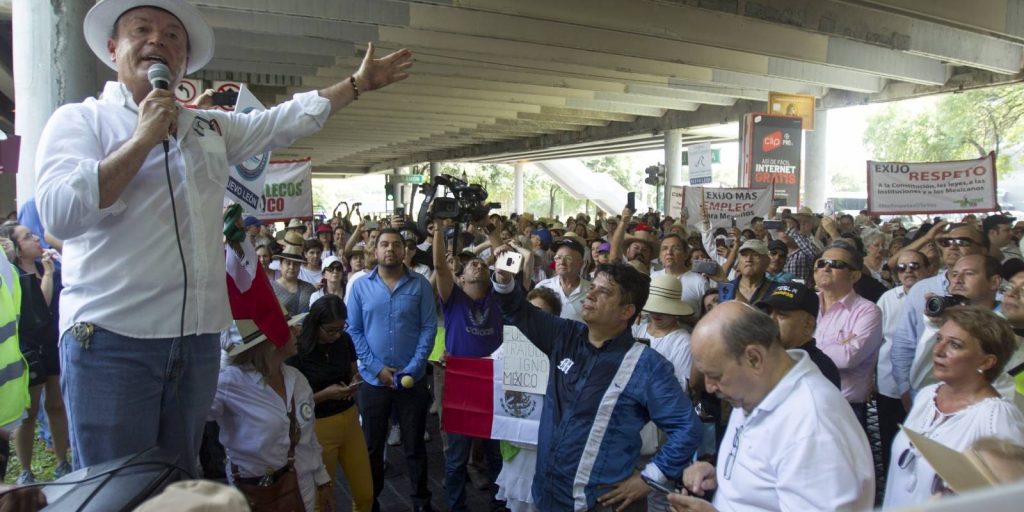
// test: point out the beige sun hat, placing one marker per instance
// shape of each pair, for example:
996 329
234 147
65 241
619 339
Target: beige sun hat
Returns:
665 297
252 335
100 20
292 243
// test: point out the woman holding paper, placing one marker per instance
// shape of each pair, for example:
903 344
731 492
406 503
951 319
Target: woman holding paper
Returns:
972 350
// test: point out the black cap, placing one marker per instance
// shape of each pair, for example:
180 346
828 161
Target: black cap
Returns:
571 243
791 297
992 221
778 245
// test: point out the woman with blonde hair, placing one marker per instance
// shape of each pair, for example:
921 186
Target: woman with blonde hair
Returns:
972 349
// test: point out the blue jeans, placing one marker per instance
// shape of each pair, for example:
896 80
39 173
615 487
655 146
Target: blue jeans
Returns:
455 474
125 395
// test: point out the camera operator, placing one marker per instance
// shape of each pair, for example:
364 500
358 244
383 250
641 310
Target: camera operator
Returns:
974 280
473 328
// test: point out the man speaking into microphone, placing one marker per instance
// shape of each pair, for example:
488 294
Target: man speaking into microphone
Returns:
134 185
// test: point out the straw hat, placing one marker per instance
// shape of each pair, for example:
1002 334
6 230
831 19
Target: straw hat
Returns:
251 334
665 297
100 21
292 243
297 225
646 237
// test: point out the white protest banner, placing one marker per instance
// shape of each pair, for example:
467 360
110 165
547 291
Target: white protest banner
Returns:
287 191
525 367
962 186
245 180
700 163
726 204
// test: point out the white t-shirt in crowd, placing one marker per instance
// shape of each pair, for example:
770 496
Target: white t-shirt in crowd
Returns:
572 304
675 346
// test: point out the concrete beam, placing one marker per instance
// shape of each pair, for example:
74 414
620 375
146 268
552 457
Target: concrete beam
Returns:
706 115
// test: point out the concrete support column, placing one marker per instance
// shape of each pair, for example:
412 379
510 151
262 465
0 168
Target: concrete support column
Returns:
397 188
52 68
435 169
519 188
815 175
673 166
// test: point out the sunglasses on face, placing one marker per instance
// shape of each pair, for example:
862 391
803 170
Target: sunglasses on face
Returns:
333 268
903 267
959 242
832 264
776 254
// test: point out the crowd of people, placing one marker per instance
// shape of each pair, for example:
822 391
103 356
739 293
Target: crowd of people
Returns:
691 367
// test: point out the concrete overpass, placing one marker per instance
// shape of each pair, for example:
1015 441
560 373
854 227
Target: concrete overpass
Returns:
514 80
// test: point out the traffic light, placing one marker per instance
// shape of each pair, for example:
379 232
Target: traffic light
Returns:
389 190
655 175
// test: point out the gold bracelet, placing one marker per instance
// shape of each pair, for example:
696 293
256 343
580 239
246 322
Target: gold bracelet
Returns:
355 88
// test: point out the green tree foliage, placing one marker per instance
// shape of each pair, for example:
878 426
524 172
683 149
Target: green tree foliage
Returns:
959 127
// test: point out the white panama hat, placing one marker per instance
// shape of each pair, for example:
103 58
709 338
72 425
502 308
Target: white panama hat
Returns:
100 20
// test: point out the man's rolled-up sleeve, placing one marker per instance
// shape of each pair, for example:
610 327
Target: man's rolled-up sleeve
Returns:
67 178
256 132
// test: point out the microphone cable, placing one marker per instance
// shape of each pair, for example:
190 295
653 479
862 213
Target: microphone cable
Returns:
177 237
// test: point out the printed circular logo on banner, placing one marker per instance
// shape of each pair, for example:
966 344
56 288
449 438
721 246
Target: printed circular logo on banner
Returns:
252 168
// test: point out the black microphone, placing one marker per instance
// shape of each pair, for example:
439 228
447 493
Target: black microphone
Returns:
160 78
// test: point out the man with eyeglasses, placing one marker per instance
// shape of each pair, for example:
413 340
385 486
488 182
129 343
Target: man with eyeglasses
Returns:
567 283
911 267
792 442
849 326
955 241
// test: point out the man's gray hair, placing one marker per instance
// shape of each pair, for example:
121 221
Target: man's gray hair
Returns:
750 328
856 259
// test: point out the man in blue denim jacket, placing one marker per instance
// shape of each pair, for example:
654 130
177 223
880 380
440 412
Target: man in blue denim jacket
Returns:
603 387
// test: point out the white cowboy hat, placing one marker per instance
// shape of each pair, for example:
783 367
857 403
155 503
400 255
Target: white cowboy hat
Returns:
100 20
252 335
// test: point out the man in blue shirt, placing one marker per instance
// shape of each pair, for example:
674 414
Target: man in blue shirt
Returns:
393 323
603 388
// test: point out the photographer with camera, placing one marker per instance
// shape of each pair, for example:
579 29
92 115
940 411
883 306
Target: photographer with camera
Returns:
974 281
473 328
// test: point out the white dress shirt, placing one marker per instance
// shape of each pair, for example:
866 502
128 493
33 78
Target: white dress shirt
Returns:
254 427
121 266
572 304
800 449
891 304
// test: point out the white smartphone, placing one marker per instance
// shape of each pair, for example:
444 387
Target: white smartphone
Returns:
510 262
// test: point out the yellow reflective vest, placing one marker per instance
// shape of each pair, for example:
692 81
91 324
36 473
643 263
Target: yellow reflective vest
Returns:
14 397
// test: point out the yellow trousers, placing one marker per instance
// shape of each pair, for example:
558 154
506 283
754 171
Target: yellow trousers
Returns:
342 440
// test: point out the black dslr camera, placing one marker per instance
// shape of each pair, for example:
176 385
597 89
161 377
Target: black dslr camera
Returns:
935 306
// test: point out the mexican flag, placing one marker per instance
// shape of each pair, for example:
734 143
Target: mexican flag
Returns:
250 293
477 404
